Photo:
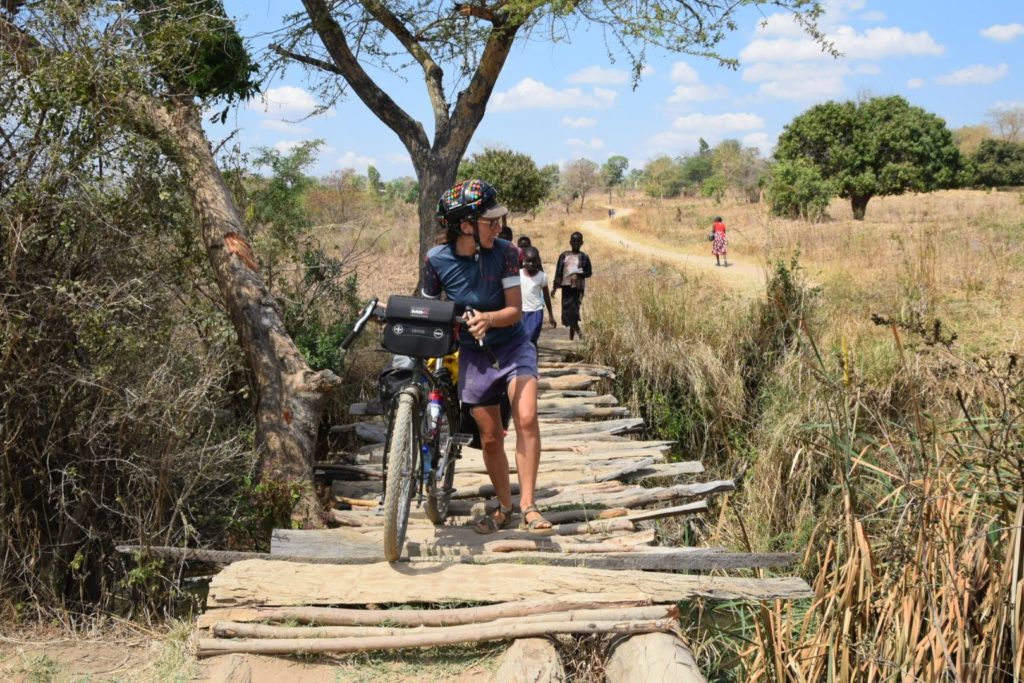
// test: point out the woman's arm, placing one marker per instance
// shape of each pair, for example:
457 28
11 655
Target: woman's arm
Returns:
509 315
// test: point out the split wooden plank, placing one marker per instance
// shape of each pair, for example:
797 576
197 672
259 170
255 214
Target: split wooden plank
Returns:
311 542
634 496
575 381
648 559
261 582
620 426
453 616
551 403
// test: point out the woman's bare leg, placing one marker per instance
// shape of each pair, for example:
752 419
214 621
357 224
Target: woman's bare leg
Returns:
492 439
522 393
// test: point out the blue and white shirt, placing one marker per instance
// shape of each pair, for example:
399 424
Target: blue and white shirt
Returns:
481 286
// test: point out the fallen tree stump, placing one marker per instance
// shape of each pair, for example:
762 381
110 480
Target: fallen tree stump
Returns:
530 660
652 658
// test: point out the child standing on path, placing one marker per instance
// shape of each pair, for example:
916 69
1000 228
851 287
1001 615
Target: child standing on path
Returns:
719 245
536 294
571 277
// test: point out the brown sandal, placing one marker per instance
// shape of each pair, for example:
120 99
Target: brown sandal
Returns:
539 525
487 524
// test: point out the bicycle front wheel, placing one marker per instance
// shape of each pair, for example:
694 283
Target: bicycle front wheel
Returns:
401 474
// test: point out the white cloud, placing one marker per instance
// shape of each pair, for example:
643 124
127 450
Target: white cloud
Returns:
683 73
692 90
779 25
875 43
579 143
531 94
697 93
706 124
355 161
287 146
283 126
915 83
868 69
978 74
398 158
874 16
581 122
598 75
798 81
1003 33
759 140
287 100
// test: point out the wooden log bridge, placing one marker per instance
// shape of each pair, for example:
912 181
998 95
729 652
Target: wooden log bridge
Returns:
607 494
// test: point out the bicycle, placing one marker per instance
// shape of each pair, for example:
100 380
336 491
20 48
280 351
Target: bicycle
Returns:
423 437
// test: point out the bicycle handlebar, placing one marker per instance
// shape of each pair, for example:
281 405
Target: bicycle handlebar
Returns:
372 309
360 324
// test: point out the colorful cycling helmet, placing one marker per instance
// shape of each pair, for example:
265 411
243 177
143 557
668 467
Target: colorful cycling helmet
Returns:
468 200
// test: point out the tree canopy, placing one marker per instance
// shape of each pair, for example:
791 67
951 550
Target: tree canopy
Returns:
999 163
521 186
881 146
459 50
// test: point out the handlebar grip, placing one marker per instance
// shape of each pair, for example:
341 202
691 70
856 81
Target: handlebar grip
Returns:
357 329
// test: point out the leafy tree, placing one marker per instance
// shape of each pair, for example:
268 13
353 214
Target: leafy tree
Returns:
612 173
551 174
882 146
1008 122
404 189
373 183
123 65
663 177
739 168
469 42
521 187
999 163
969 138
795 189
578 178
695 169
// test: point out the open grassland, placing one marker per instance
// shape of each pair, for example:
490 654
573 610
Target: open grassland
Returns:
866 395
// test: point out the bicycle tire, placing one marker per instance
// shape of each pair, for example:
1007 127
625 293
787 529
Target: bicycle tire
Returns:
439 490
401 474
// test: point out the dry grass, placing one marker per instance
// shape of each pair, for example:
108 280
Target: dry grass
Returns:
894 462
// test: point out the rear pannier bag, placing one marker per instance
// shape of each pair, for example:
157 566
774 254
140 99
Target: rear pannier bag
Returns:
423 328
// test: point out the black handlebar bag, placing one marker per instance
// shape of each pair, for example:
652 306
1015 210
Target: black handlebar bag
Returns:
423 328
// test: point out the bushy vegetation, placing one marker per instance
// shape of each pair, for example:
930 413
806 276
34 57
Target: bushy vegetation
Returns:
885 449
126 413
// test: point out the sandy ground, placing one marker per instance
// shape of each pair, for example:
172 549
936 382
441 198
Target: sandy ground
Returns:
744 276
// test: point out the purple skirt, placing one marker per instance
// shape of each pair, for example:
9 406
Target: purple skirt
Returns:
482 385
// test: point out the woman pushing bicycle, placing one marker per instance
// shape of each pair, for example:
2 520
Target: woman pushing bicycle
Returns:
481 272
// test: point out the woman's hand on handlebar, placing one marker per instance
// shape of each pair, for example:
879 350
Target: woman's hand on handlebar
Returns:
478 323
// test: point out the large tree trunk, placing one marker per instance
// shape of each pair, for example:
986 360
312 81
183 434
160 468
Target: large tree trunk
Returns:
289 396
859 204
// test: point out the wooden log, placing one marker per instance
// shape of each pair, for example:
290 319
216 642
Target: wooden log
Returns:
565 545
652 658
234 629
585 412
272 583
634 496
649 559
567 393
584 514
358 502
620 426
335 616
229 556
530 660
206 647
547 403
566 382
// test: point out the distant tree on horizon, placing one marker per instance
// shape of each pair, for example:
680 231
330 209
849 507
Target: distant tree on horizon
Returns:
520 184
877 147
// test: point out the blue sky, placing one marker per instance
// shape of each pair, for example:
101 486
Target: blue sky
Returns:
562 102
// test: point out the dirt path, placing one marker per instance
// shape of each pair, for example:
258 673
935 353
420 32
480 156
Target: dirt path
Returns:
749 277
